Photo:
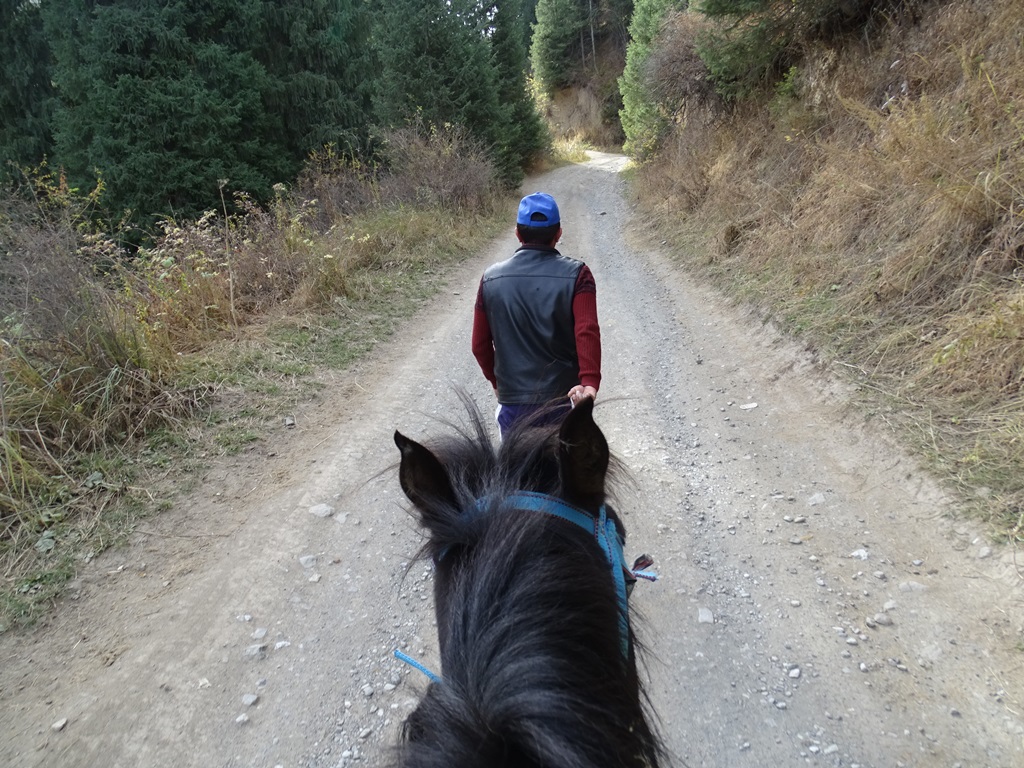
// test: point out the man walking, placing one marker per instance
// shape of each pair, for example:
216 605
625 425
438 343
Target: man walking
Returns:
535 330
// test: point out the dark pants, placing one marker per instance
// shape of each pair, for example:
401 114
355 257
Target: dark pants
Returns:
540 415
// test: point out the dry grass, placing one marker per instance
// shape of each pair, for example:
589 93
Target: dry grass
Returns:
104 357
875 202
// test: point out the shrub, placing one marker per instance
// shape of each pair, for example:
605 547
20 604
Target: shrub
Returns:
96 343
679 81
340 185
80 371
437 166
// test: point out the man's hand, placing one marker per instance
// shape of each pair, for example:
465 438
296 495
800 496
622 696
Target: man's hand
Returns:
579 392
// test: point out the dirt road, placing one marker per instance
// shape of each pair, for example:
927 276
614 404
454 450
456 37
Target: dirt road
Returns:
816 605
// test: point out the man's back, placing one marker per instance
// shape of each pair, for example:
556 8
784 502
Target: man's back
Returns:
528 300
535 330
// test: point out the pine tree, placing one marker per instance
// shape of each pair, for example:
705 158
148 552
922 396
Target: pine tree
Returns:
25 92
435 66
641 119
760 39
166 99
522 133
558 46
317 57
163 102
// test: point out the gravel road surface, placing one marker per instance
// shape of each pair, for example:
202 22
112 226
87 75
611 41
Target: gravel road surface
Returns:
819 604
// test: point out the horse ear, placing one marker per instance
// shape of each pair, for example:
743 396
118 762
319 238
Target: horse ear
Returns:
422 476
582 453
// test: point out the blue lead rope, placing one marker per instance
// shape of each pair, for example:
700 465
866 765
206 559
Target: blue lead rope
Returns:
416 665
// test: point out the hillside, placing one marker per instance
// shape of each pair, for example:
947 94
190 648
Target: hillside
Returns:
867 195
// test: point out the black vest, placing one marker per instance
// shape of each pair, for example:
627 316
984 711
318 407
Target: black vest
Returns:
528 301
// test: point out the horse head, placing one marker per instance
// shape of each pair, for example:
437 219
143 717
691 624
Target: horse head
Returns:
579 456
530 623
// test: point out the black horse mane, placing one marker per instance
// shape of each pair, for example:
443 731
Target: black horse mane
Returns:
531 656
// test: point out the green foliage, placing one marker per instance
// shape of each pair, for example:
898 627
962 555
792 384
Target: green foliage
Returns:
180 106
642 120
791 114
168 99
557 50
25 90
321 73
758 39
163 101
460 64
570 37
521 133
787 87
742 56
435 68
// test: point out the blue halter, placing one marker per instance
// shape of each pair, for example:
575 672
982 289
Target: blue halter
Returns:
601 527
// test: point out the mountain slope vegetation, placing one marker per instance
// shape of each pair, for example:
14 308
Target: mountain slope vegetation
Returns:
855 169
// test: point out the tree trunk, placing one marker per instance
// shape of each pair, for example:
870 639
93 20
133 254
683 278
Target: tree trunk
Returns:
593 45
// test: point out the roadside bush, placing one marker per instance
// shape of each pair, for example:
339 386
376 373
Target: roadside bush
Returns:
80 374
678 79
102 349
339 185
437 167
742 57
203 279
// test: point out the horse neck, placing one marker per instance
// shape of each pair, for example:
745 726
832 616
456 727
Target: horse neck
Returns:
529 626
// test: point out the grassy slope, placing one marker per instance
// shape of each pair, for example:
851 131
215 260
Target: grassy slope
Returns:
874 205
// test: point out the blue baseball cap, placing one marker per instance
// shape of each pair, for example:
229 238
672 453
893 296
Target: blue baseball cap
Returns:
538 210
